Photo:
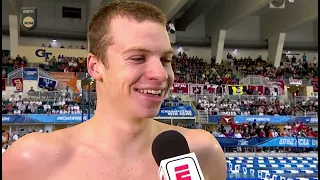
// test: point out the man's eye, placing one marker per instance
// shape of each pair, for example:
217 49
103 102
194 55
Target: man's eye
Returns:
138 59
166 60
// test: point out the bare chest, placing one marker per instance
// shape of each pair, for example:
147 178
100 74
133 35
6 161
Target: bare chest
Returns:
102 168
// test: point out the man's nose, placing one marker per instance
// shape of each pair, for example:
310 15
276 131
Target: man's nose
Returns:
156 70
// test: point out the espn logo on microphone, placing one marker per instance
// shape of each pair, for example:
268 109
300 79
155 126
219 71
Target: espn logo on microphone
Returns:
182 172
184 167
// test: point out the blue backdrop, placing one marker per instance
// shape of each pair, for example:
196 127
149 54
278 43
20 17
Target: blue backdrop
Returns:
30 73
178 111
268 142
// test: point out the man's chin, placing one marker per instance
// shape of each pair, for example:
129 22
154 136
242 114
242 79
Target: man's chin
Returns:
147 113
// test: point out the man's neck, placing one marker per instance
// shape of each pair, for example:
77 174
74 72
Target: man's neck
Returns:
122 136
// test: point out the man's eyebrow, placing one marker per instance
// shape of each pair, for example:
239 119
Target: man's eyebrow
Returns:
143 49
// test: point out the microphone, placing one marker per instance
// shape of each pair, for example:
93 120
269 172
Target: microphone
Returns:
171 152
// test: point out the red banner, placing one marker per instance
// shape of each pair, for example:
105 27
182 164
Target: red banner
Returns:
3 84
196 89
226 120
276 84
18 84
260 89
315 85
181 88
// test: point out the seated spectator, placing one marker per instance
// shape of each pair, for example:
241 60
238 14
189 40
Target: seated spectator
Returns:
16 111
46 107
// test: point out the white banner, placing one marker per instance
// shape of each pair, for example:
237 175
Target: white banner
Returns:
295 81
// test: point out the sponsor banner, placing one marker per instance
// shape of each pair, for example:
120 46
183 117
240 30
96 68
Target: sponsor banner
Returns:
260 89
181 88
307 120
268 142
39 54
18 84
290 142
214 119
58 118
47 83
178 111
3 84
68 78
28 17
263 119
227 120
196 89
295 81
234 142
237 89
6 118
30 73
315 85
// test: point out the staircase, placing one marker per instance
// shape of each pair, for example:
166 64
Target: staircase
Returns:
238 74
300 111
202 117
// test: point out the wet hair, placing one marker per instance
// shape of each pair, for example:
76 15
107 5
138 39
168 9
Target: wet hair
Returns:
99 36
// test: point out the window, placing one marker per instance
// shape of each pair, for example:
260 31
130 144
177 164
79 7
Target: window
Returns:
70 12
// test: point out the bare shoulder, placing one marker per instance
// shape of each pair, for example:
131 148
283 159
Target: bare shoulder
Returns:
208 151
34 156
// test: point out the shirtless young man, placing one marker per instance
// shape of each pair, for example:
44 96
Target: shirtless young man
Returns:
130 54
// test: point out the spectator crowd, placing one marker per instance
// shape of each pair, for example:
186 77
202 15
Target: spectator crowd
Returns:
259 105
262 130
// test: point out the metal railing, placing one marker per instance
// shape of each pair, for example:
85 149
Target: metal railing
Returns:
43 95
18 73
202 116
211 97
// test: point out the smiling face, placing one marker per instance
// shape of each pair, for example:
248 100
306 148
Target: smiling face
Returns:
139 73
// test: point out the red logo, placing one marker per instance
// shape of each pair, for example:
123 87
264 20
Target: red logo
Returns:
226 120
182 172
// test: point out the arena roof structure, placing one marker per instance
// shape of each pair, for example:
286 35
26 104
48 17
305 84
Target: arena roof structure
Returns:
248 23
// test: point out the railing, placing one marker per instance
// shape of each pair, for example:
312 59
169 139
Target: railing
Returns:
301 110
304 82
18 73
60 86
173 113
211 97
202 117
43 95
256 80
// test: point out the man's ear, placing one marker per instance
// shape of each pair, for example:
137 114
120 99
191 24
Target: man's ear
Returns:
93 64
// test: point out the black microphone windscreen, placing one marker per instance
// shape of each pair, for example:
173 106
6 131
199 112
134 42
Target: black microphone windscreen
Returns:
169 144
